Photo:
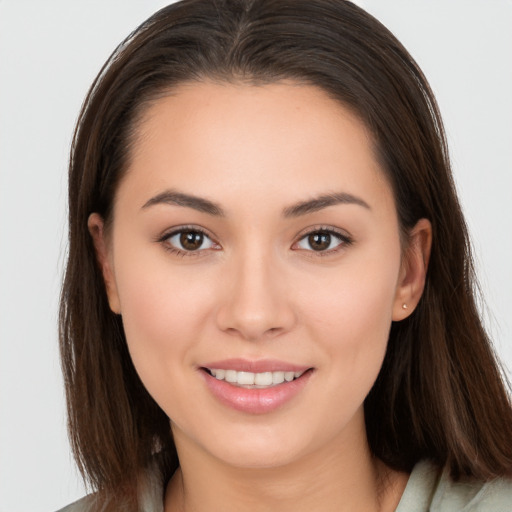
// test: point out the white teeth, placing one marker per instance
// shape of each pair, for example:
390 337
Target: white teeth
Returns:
263 379
230 376
258 380
277 377
245 378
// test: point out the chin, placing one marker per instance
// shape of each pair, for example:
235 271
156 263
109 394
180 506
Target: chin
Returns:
262 447
256 457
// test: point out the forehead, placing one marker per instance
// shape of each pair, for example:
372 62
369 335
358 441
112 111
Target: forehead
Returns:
280 139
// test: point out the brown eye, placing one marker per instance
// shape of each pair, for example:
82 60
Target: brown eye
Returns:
189 240
319 241
323 241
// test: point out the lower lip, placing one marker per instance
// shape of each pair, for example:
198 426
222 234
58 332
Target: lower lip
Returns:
255 401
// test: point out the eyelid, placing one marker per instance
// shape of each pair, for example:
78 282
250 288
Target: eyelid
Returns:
169 233
345 239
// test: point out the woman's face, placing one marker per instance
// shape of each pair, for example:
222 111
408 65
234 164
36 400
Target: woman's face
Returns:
255 240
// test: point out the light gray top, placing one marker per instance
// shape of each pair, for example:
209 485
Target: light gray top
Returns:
428 490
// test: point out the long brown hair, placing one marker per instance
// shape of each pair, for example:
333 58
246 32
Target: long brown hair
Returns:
440 394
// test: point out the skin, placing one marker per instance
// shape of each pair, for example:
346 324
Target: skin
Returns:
259 291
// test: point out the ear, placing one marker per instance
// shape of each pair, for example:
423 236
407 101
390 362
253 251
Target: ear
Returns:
413 270
95 225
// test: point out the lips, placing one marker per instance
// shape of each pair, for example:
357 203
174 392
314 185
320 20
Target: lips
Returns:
255 387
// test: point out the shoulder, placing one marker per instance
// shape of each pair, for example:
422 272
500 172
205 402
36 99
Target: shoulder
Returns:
150 497
473 496
432 490
86 504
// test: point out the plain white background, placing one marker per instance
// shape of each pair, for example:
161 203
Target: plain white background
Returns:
49 54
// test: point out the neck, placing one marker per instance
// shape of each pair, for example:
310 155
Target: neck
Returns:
343 477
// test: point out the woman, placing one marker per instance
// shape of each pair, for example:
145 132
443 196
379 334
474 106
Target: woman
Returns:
269 296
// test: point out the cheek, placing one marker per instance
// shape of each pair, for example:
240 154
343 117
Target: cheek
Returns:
352 328
163 311
351 315
355 299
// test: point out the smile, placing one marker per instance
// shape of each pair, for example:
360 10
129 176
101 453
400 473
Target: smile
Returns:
255 387
252 380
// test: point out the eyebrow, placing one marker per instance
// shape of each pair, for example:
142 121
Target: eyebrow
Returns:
203 205
323 201
180 199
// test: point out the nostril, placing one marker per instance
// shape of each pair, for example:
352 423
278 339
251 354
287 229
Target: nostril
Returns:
255 317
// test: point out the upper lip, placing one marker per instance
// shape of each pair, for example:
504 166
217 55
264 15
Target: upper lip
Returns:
259 366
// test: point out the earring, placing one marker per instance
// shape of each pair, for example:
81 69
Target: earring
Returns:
404 306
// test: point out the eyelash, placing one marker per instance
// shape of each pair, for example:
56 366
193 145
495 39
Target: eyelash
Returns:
164 240
344 239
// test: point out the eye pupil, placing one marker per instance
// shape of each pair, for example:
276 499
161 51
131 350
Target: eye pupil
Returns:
191 240
319 241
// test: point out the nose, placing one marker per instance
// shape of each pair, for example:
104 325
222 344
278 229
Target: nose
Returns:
256 303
